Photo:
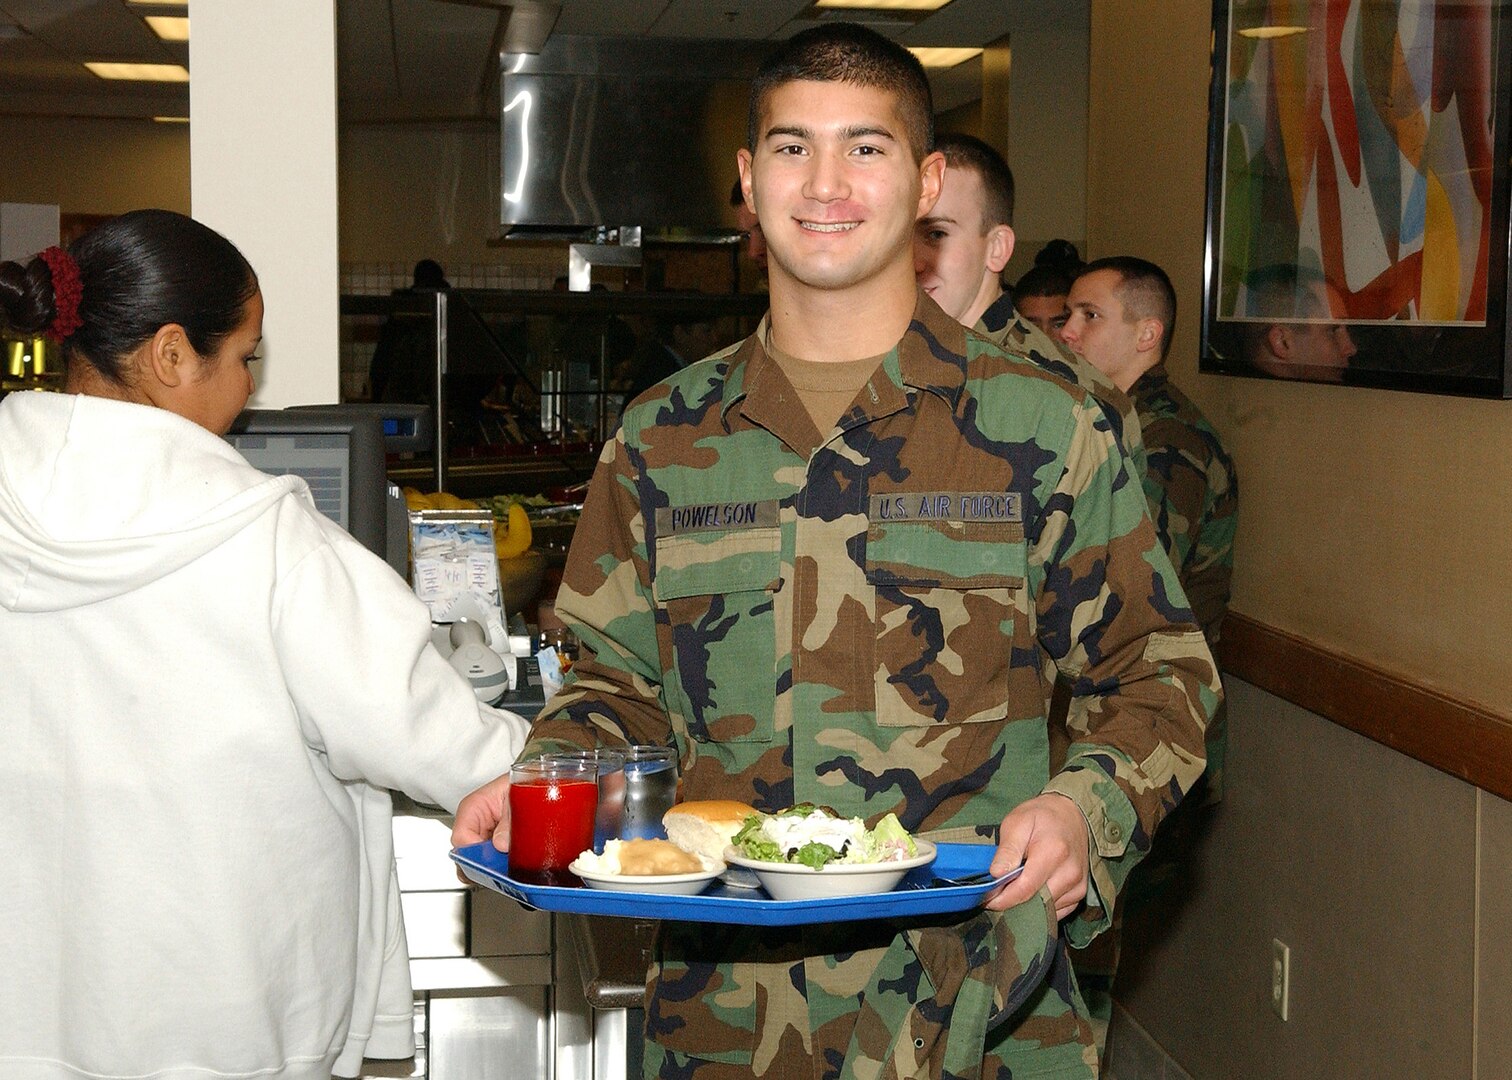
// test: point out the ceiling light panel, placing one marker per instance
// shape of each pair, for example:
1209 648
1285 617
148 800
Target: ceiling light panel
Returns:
944 58
169 27
884 5
140 72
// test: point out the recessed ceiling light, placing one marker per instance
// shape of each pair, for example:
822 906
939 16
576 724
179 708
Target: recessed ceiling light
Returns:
169 27
171 119
1263 32
884 5
140 72
944 58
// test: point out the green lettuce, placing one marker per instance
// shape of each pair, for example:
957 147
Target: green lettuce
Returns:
754 844
890 834
814 855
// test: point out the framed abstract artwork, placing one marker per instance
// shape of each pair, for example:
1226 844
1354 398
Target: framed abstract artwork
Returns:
1359 175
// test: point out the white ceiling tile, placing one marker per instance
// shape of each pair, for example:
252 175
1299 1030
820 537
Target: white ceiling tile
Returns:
445 49
365 49
429 56
744 19
962 23
609 18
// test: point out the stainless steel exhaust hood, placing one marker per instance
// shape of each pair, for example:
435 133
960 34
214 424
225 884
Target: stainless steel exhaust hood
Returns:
624 132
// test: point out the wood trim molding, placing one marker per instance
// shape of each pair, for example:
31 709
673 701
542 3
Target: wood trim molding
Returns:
1459 737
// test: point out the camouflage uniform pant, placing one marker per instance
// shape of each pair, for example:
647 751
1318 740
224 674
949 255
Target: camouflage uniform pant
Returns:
875 1000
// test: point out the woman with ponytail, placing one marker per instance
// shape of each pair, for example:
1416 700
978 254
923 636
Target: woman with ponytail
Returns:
208 691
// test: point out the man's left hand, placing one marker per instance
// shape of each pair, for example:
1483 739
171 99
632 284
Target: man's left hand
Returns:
1048 834
484 814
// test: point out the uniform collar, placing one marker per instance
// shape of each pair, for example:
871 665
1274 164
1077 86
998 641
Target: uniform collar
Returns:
998 315
1152 380
930 357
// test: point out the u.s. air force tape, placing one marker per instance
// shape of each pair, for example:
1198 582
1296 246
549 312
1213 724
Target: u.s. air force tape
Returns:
710 517
946 506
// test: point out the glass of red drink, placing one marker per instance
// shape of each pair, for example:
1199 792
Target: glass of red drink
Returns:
552 804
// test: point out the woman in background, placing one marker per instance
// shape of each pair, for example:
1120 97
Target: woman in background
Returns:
208 690
1040 295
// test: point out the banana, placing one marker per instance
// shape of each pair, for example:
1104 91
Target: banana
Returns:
514 539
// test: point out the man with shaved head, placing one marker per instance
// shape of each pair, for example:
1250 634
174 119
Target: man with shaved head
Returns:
1122 314
960 250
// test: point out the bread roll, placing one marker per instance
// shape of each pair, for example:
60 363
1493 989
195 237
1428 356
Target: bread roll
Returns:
705 828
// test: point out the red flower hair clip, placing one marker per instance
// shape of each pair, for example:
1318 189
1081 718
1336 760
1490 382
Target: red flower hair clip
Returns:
68 290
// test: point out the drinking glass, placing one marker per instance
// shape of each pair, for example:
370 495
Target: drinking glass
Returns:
552 804
650 791
609 764
564 641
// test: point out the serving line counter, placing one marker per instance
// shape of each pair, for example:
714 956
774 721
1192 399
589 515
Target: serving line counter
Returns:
500 989
601 967
503 990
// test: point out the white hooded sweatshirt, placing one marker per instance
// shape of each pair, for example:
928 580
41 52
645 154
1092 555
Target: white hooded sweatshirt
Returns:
205 690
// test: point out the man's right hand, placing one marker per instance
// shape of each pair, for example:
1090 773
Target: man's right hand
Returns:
1048 834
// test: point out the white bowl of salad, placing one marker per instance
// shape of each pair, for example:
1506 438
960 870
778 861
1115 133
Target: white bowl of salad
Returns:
807 853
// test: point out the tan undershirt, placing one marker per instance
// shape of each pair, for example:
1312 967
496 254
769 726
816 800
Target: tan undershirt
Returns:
825 388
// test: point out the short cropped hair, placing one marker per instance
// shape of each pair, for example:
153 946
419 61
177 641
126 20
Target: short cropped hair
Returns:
1280 293
848 53
1145 291
1284 291
969 152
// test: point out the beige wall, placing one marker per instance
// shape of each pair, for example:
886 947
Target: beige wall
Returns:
94 166
1047 115
419 190
1372 522
1374 891
1377 525
407 191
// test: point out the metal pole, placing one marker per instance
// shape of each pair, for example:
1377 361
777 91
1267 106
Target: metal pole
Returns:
441 390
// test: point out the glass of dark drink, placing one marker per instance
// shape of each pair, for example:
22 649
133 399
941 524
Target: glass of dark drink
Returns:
610 765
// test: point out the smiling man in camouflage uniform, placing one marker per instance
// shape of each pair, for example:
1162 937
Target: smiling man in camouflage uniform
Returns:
841 562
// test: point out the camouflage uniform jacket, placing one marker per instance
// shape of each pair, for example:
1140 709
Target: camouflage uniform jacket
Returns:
867 618
1193 492
1002 325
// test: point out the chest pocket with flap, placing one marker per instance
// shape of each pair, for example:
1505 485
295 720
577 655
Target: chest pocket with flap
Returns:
948 612
716 588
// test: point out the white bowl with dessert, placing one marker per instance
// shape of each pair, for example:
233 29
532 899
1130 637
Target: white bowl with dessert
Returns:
656 866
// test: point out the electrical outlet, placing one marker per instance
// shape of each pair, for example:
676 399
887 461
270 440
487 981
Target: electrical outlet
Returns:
1280 978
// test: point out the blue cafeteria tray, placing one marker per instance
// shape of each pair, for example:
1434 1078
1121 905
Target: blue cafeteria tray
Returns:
720 903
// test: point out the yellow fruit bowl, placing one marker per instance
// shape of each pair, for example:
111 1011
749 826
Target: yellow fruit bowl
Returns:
520 579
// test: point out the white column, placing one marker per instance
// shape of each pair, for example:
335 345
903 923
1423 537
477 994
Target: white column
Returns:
262 157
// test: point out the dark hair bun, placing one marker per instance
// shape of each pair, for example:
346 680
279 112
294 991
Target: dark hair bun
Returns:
1059 255
26 297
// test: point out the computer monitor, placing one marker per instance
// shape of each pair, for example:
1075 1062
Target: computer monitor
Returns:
340 452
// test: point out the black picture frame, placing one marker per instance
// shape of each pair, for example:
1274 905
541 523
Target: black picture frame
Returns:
1416 325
